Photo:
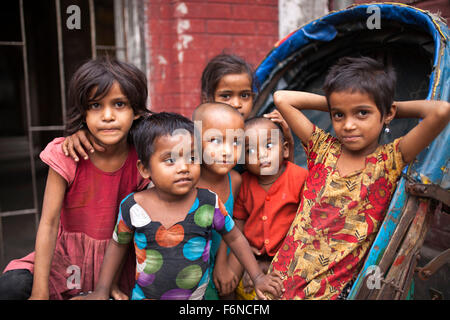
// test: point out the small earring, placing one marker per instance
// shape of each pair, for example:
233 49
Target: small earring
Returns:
386 129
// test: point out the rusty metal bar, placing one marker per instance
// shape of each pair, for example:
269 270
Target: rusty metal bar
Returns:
11 43
93 29
434 265
429 191
119 35
18 212
28 112
62 81
47 128
102 47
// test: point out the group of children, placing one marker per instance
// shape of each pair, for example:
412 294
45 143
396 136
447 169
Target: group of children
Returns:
214 207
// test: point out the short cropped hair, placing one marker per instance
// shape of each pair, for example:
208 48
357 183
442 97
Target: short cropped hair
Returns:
260 119
364 75
151 127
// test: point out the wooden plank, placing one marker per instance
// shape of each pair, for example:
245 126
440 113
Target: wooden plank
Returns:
397 274
392 248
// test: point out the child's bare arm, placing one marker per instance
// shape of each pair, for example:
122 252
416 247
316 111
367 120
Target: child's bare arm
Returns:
47 234
80 144
263 283
224 278
233 262
435 115
289 103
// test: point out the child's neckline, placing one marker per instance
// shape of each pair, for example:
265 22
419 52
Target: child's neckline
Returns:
285 164
226 177
193 207
123 164
355 172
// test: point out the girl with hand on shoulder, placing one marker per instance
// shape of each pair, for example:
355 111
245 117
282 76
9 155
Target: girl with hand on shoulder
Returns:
82 198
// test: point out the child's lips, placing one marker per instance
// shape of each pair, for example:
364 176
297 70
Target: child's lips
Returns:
350 138
266 164
109 130
183 181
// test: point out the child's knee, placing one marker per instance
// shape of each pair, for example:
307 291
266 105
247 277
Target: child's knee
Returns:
16 285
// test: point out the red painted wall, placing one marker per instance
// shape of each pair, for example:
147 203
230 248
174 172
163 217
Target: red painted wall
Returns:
184 35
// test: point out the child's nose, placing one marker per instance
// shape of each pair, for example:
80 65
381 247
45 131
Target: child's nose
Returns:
262 153
182 166
108 114
349 124
235 102
227 150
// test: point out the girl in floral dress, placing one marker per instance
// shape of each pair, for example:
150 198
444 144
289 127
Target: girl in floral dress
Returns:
351 177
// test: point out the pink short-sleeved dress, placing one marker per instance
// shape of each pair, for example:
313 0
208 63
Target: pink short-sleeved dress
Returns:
88 218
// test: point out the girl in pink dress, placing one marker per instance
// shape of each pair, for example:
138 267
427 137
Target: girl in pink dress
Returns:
81 198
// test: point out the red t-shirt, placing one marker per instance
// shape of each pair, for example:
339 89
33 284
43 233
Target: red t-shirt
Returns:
269 214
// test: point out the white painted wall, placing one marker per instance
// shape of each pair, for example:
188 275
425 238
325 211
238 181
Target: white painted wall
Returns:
293 14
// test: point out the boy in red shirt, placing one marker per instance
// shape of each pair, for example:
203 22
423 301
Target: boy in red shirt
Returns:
269 196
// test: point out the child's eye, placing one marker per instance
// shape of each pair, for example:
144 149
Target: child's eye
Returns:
237 142
246 95
216 140
338 115
120 104
169 161
225 96
269 145
94 106
363 113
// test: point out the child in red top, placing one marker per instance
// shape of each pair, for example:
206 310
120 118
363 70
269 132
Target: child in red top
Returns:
81 199
269 195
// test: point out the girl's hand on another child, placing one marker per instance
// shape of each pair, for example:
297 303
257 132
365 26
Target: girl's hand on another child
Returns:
224 279
247 283
271 284
276 117
78 144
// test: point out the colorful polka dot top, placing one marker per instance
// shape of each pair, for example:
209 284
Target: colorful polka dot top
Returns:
172 263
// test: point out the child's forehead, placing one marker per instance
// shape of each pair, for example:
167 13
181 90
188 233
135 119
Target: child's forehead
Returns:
349 97
261 125
166 142
234 80
222 119
100 90
263 131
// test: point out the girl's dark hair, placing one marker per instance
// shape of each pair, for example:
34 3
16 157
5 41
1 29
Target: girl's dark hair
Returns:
100 74
218 67
153 126
364 75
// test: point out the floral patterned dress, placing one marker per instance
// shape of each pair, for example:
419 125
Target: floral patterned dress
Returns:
337 220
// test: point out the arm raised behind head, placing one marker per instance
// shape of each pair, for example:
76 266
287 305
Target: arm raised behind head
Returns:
290 104
435 116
